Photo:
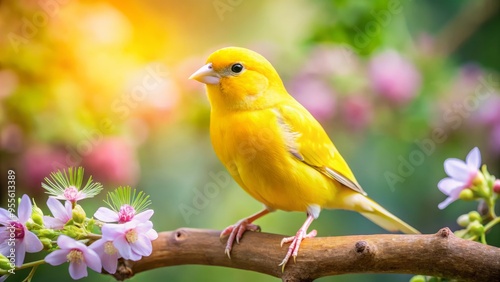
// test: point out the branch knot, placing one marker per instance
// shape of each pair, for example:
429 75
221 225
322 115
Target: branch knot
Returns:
444 232
363 248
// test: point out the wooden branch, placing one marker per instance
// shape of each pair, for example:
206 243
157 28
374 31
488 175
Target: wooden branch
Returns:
441 254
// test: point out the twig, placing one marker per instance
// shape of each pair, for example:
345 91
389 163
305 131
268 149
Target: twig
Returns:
464 24
441 254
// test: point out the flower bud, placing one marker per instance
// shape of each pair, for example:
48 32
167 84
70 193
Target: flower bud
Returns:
78 214
466 195
418 278
72 231
5 264
463 220
476 228
474 216
46 242
478 180
30 224
37 215
496 186
47 233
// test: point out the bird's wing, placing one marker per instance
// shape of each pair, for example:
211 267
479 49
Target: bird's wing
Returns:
307 141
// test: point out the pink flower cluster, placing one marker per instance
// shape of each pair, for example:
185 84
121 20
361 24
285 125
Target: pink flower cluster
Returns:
125 234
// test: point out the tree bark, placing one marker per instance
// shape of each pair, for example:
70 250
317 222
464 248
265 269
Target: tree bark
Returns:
441 254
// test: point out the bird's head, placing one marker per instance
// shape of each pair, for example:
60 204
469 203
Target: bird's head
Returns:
240 79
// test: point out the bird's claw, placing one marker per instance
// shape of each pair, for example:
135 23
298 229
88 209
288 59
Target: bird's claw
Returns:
235 233
293 249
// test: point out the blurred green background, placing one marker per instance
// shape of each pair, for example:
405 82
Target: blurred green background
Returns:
399 85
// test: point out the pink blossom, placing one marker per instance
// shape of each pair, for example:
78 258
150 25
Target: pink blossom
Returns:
461 175
112 161
38 161
132 239
357 112
62 214
394 77
315 95
126 214
72 194
489 113
15 235
329 60
77 254
495 138
108 253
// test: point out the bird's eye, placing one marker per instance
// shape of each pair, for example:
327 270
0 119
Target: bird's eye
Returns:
237 68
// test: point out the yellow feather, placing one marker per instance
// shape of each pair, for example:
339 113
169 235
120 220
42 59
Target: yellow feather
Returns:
273 147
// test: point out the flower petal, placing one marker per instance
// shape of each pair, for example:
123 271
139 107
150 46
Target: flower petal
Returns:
142 246
57 257
98 246
4 248
144 216
24 209
446 202
66 242
144 227
457 169
152 234
5 217
92 260
55 207
123 247
53 223
80 196
69 211
447 185
110 263
135 257
77 270
473 159
106 215
58 210
33 244
112 231
4 233
20 252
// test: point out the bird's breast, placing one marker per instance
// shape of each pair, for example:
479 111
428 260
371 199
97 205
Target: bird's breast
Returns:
252 147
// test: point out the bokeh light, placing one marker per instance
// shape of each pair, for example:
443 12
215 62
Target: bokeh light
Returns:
103 84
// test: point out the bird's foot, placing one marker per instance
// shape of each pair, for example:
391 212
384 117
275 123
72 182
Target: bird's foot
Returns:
235 232
293 249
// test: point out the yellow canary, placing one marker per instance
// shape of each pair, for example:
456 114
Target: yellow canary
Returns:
276 150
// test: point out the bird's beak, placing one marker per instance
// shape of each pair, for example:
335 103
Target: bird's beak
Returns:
206 74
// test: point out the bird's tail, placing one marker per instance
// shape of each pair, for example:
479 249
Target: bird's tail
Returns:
376 213
385 219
